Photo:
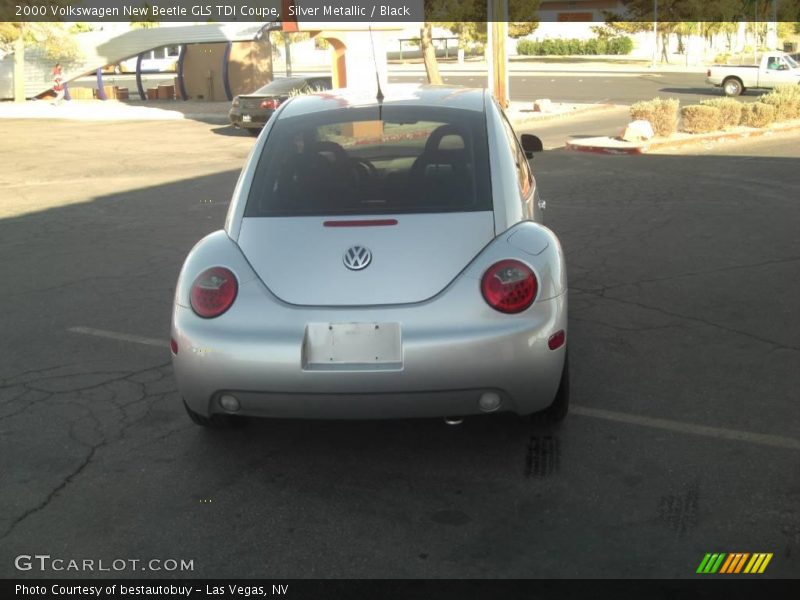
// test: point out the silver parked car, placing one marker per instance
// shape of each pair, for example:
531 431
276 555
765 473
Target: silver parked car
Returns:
380 259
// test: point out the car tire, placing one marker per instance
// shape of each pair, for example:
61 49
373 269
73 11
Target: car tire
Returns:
557 411
253 132
732 87
214 421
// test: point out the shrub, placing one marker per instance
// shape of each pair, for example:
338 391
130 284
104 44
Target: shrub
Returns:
661 112
757 114
701 119
786 100
525 47
620 45
564 47
730 110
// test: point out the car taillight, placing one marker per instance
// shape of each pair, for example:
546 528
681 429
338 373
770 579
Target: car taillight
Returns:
509 286
270 103
708 73
213 292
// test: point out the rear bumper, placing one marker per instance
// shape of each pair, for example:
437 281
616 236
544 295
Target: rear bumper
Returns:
257 118
447 363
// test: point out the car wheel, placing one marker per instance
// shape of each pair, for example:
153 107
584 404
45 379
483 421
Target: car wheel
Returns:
557 411
214 421
253 132
732 87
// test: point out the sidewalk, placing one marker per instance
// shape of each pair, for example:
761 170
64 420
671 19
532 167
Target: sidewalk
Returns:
550 64
112 110
212 112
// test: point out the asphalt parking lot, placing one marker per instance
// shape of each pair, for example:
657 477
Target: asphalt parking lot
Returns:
684 337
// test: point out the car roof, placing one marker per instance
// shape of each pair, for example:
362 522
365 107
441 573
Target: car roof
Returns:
440 96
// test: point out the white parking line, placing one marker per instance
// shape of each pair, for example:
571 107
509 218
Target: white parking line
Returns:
680 427
775 441
123 337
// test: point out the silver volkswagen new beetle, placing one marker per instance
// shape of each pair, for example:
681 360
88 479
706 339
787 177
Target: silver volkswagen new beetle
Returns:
381 258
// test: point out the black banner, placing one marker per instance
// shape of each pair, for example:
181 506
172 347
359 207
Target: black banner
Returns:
315 11
739 588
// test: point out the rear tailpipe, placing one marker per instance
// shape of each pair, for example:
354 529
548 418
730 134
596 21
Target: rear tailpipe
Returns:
454 420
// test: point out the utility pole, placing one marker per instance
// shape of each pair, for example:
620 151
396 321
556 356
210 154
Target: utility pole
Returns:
497 63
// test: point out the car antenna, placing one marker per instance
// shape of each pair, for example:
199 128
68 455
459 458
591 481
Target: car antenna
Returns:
379 96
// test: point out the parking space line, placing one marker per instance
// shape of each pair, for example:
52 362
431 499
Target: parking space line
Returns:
123 337
775 441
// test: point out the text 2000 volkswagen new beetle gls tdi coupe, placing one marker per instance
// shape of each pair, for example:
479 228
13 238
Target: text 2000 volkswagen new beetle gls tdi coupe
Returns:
381 258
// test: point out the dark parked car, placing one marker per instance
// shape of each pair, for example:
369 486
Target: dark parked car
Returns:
252 111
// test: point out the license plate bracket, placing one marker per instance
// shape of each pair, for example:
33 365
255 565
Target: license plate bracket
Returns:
352 345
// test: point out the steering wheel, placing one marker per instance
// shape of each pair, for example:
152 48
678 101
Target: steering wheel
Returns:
363 168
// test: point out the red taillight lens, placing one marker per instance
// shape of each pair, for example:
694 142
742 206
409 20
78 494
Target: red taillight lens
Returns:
509 286
708 73
270 103
213 292
173 345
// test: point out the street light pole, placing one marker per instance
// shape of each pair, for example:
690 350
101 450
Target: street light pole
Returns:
655 32
755 33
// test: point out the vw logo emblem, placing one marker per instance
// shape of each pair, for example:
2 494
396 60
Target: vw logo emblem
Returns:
357 258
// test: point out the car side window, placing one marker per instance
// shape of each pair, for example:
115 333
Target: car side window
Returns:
524 175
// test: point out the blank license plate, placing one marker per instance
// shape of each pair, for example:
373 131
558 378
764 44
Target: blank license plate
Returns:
353 344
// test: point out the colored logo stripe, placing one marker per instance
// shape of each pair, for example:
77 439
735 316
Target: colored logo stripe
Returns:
758 563
710 563
734 563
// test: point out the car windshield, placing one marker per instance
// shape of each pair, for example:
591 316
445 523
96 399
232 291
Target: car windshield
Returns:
397 159
281 86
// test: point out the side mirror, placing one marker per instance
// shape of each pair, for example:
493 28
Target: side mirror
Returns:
531 144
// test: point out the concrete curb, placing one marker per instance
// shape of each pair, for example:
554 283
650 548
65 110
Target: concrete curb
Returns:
615 147
517 120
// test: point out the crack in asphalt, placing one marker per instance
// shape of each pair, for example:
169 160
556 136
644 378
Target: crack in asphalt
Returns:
53 493
601 294
105 428
704 272
5 380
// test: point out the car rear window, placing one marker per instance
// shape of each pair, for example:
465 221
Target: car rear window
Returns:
362 161
281 86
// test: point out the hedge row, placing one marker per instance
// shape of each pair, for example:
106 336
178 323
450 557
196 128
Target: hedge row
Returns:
781 104
571 47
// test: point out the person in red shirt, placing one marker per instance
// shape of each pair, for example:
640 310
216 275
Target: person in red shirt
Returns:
58 84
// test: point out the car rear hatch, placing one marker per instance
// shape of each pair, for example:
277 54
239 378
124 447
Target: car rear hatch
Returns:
412 257
404 189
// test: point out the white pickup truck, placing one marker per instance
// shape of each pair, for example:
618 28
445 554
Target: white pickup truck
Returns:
775 69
